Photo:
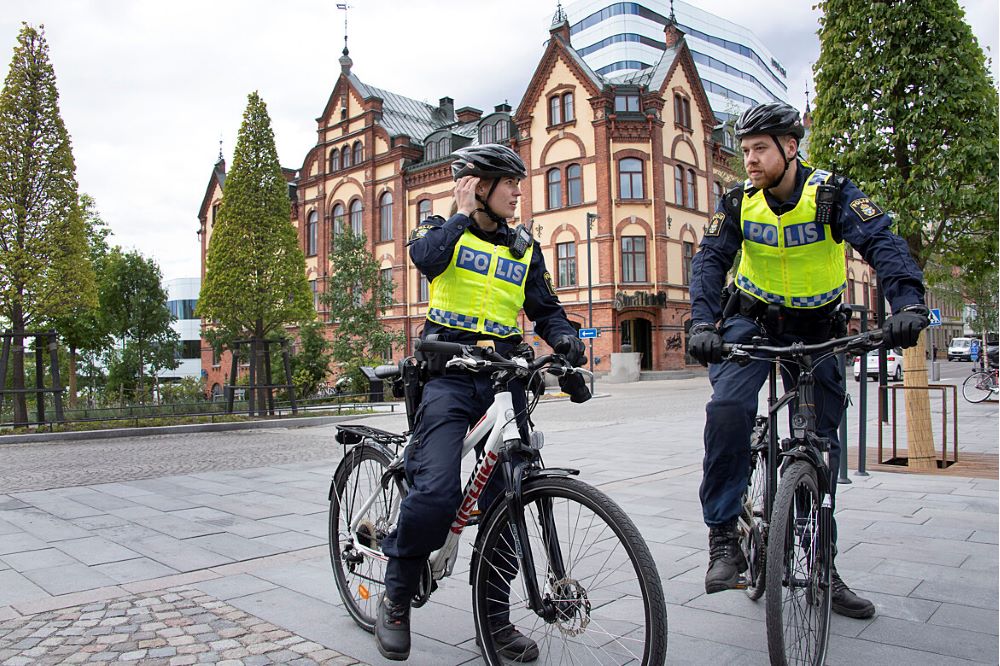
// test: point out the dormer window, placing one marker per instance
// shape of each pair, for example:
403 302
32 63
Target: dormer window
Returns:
626 103
430 151
502 130
486 134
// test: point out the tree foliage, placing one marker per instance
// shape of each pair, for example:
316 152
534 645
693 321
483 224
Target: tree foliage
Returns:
44 270
311 363
134 308
906 108
356 297
255 273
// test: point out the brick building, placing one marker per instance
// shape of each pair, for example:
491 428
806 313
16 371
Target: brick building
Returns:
641 154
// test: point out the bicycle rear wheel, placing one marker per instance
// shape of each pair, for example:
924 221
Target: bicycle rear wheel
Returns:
753 539
977 387
360 575
594 572
798 580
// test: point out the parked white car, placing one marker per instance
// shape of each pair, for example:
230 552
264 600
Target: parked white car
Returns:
894 365
960 349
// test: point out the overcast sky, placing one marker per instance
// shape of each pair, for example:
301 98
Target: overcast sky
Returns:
148 88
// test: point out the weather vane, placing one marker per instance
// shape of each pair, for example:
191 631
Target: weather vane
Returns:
344 6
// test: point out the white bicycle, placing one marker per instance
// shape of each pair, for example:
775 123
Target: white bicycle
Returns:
592 593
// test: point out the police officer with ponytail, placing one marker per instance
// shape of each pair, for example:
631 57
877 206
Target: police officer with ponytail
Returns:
790 220
482 273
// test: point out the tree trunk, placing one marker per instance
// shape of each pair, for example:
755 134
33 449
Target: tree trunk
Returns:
261 375
17 356
72 377
919 435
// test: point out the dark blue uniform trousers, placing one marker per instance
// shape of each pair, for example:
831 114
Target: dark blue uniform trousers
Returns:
731 411
451 404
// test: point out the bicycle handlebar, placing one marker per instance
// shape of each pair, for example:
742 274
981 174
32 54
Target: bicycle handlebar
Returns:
490 356
386 371
861 342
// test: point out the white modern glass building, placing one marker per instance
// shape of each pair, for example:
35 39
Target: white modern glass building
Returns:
736 69
182 297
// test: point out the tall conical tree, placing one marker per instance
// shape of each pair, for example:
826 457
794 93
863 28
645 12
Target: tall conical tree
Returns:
255 272
905 107
44 267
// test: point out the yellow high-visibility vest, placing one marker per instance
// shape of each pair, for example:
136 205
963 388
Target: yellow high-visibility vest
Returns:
482 290
790 259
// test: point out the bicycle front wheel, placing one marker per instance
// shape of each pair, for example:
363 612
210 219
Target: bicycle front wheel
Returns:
977 387
358 565
798 581
594 572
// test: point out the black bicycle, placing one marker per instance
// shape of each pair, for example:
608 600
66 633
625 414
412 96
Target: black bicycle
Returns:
588 590
786 524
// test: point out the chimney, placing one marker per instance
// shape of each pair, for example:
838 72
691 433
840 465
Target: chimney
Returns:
447 106
560 24
467 114
673 34
502 108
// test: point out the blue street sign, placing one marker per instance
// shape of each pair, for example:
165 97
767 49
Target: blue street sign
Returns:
585 333
935 316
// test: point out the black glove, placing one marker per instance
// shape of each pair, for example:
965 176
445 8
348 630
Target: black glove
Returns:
903 328
575 386
572 348
705 344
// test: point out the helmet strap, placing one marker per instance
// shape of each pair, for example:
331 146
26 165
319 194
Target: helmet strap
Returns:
486 207
781 150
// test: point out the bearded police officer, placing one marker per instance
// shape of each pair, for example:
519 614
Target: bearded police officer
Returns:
482 273
790 220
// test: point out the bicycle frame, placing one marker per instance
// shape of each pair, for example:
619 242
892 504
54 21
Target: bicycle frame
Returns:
498 431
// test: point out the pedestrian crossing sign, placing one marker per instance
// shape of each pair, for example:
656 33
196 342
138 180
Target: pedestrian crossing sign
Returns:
935 316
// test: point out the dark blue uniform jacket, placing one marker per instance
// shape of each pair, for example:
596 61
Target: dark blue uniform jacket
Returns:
865 227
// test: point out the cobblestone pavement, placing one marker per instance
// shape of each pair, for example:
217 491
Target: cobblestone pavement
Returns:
173 627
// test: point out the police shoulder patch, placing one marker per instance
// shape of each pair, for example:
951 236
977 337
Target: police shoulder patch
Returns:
865 209
715 225
421 231
548 283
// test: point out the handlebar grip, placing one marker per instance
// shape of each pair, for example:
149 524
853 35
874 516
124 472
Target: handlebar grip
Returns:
440 347
386 371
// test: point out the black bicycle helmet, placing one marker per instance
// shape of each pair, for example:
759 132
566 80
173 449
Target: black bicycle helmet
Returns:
776 119
490 160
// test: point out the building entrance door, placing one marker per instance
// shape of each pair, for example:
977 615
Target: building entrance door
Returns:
639 334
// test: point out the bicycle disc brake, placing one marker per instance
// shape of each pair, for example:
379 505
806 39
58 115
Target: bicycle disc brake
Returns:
572 606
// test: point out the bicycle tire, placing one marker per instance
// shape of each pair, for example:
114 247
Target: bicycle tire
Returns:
360 578
753 539
798 583
977 387
619 553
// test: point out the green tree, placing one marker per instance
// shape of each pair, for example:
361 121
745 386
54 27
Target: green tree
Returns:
255 273
82 328
357 296
44 269
311 363
134 308
906 108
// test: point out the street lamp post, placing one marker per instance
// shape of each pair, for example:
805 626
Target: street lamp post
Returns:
591 218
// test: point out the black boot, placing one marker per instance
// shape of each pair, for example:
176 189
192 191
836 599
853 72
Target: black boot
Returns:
512 644
846 603
725 559
392 630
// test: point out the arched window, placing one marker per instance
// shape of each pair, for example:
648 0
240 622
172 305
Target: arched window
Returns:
423 210
568 113
679 185
334 160
338 219
555 110
312 224
574 185
356 220
359 153
553 178
385 216
444 147
630 179
346 155
692 189
503 130
430 151
486 134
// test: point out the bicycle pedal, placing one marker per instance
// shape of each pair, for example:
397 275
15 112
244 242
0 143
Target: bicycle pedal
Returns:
741 583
